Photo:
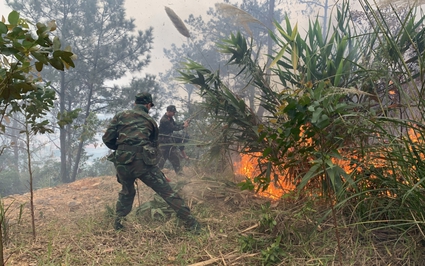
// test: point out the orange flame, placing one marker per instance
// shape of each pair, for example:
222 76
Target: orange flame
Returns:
248 167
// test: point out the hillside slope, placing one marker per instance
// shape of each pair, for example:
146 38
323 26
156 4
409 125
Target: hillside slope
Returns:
74 225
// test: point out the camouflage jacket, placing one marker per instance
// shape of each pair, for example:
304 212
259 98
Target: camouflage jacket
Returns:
167 126
132 127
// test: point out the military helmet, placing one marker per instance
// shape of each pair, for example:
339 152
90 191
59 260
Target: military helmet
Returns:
144 98
172 108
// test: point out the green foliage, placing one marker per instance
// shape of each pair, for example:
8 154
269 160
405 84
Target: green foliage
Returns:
46 174
67 118
267 220
273 254
98 167
156 209
35 105
345 117
316 58
109 211
22 53
5 227
109 47
11 183
247 184
248 243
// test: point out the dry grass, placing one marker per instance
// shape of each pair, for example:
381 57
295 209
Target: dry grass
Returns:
74 227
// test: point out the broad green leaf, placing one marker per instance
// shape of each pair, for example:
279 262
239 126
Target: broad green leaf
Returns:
316 115
18 75
57 63
27 44
68 60
3 28
39 66
23 23
26 67
9 51
267 151
312 172
41 28
61 53
13 18
40 57
24 86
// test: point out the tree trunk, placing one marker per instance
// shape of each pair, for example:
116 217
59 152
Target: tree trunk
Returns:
62 132
81 143
88 106
31 181
325 17
2 214
15 139
77 160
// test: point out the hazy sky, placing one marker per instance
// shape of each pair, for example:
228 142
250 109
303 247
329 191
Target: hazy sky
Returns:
151 13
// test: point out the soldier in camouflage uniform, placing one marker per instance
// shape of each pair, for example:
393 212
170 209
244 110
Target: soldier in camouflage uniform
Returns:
133 135
169 150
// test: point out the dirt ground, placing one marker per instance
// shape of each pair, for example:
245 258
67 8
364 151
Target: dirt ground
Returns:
91 195
64 208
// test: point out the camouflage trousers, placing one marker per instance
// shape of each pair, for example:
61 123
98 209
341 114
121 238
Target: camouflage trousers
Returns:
155 179
171 153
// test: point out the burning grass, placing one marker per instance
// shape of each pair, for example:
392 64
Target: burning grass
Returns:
247 167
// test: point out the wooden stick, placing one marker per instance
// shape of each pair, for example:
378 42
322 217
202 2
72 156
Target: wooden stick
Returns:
250 228
245 256
213 260
222 259
207 262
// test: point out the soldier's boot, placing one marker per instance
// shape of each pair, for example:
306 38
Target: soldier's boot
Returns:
179 171
193 226
118 223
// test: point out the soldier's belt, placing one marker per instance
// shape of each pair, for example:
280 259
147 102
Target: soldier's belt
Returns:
130 148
